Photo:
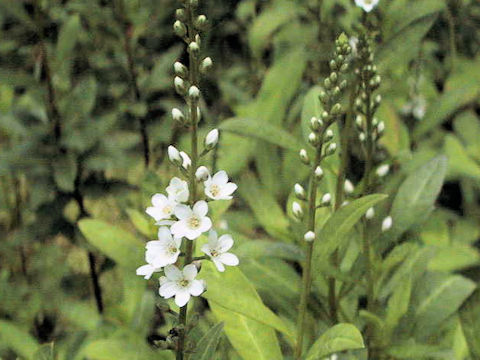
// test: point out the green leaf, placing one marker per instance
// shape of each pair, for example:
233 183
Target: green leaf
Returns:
250 338
454 257
415 198
461 164
405 41
114 242
121 349
17 339
333 233
410 350
65 171
233 291
437 297
142 223
261 131
207 345
469 317
340 337
398 303
67 38
45 352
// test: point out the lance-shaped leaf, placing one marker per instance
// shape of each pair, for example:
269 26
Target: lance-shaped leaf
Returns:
207 345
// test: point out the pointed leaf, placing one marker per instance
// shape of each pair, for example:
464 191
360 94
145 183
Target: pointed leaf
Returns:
207 345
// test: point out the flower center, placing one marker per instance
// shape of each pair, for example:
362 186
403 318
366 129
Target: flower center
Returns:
368 2
193 222
167 210
214 253
214 189
172 249
183 283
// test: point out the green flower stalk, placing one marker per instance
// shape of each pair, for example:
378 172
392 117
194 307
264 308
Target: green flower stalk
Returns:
321 141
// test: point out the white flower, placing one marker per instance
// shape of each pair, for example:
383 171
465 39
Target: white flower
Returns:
217 249
309 236
383 170
147 271
370 213
367 5
218 187
164 251
348 187
162 208
178 190
191 222
211 139
181 284
387 223
186 161
174 154
202 173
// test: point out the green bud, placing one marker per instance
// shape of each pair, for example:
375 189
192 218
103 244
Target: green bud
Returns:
180 15
194 3
180 29
336 92
344 68
323 97
336 109
333 77
315 123
333 65
327 83
343 85
201 22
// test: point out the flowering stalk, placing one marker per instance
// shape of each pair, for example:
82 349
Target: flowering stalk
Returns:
182 213
320 139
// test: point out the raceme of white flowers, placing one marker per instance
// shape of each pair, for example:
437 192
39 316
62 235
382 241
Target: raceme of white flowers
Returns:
179 221
367 5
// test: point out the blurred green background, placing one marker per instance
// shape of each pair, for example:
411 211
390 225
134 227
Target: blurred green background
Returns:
86 90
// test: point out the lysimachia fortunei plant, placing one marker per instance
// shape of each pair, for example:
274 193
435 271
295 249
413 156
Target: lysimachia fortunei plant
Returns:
182 213
321 141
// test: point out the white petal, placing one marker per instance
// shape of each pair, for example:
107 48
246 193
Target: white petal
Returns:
168 289
191 234
146 271
182 297
229 189
196 287
200 208
178 242
173 273
220 177
158 200
162 280
225 243
218 264
205 225
190 272
165 222
229 259
155 212
164 233
182 211
206 249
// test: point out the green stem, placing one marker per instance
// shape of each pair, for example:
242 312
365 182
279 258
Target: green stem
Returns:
193 77
307 267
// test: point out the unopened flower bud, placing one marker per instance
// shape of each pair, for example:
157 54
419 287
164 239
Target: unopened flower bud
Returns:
309 236
211 140
378 100
333 77
299 192
297 210
331 149
180 29
304 157
344 68
359 122
193 48
194 93
326 199
370 213
318 173
383 170
201 22
193 3
313 139
177 115
348 187
328 135
315 123
180 14
323 97
343 85
387 223
202 173
180 69
381 127
336 109
362 137
206 65
327 83
186 161
174 155
325 116
180 87
333 65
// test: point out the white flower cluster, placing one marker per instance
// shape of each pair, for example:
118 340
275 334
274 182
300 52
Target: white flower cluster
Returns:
178 221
